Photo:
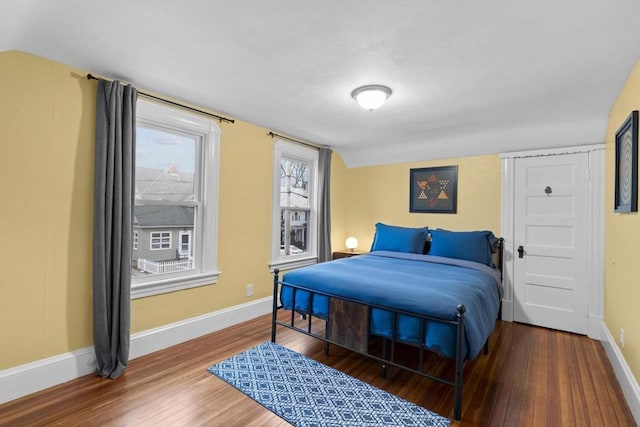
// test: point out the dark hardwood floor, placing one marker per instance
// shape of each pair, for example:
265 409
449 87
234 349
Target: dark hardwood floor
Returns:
531 377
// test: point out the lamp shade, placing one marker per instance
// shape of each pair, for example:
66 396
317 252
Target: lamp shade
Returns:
351 243
371 97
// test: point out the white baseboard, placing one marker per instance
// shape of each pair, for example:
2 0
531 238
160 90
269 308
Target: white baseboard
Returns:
596 327
35 376
31 377
175 333
623 373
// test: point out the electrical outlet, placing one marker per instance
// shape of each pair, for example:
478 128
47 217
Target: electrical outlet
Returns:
622 337
250 289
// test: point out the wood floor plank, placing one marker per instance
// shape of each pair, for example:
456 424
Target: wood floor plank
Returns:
531 377
519 361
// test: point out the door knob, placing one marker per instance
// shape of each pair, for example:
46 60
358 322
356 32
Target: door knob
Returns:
520 252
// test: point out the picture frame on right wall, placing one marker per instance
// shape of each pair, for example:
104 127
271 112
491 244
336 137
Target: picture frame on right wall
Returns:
626 171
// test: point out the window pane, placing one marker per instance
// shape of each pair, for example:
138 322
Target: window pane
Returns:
293 231
294 183
165 165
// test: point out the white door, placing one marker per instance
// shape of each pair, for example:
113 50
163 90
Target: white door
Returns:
550 239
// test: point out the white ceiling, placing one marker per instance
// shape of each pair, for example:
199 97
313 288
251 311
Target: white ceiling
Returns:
468 77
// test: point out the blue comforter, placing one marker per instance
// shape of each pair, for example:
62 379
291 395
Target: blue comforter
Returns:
421 284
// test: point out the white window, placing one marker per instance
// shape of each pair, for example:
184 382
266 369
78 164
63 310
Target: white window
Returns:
135 240
294 234
176 197
160 240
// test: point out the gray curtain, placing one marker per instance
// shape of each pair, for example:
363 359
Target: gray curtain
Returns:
324 208
112 221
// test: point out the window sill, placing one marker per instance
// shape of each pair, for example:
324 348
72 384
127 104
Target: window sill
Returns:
284 265
147 289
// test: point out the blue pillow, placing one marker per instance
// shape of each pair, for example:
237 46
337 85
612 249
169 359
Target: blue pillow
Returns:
399 239
470 245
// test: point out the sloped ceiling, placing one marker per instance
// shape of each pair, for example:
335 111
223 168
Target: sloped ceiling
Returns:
468 77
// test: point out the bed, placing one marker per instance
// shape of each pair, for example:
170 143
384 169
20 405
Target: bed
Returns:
436 290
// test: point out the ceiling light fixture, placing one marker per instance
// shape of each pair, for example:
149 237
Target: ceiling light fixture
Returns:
371 97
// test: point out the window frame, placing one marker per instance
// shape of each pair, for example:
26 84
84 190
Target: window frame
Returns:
296 152
163 117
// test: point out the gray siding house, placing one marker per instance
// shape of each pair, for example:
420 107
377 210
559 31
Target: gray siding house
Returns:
162 234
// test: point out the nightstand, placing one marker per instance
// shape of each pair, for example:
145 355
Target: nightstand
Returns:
346 254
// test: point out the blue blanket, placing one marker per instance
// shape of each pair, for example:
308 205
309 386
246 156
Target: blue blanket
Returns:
421 284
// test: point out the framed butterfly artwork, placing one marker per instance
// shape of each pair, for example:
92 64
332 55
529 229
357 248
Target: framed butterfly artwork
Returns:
433 190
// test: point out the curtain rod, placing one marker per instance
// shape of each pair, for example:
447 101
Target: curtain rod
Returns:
308 144
166 101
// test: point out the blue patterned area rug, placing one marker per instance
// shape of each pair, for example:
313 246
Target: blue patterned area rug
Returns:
307 393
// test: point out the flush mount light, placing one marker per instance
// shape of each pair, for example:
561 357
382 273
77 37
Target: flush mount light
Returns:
371 97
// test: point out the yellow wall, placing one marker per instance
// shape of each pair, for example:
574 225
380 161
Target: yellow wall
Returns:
46 128
381 194
622 241
339 229
46 182
47 114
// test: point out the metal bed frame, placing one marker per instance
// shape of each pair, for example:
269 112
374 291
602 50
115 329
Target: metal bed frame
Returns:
386 358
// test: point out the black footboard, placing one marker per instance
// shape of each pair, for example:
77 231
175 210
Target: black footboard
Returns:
343 311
